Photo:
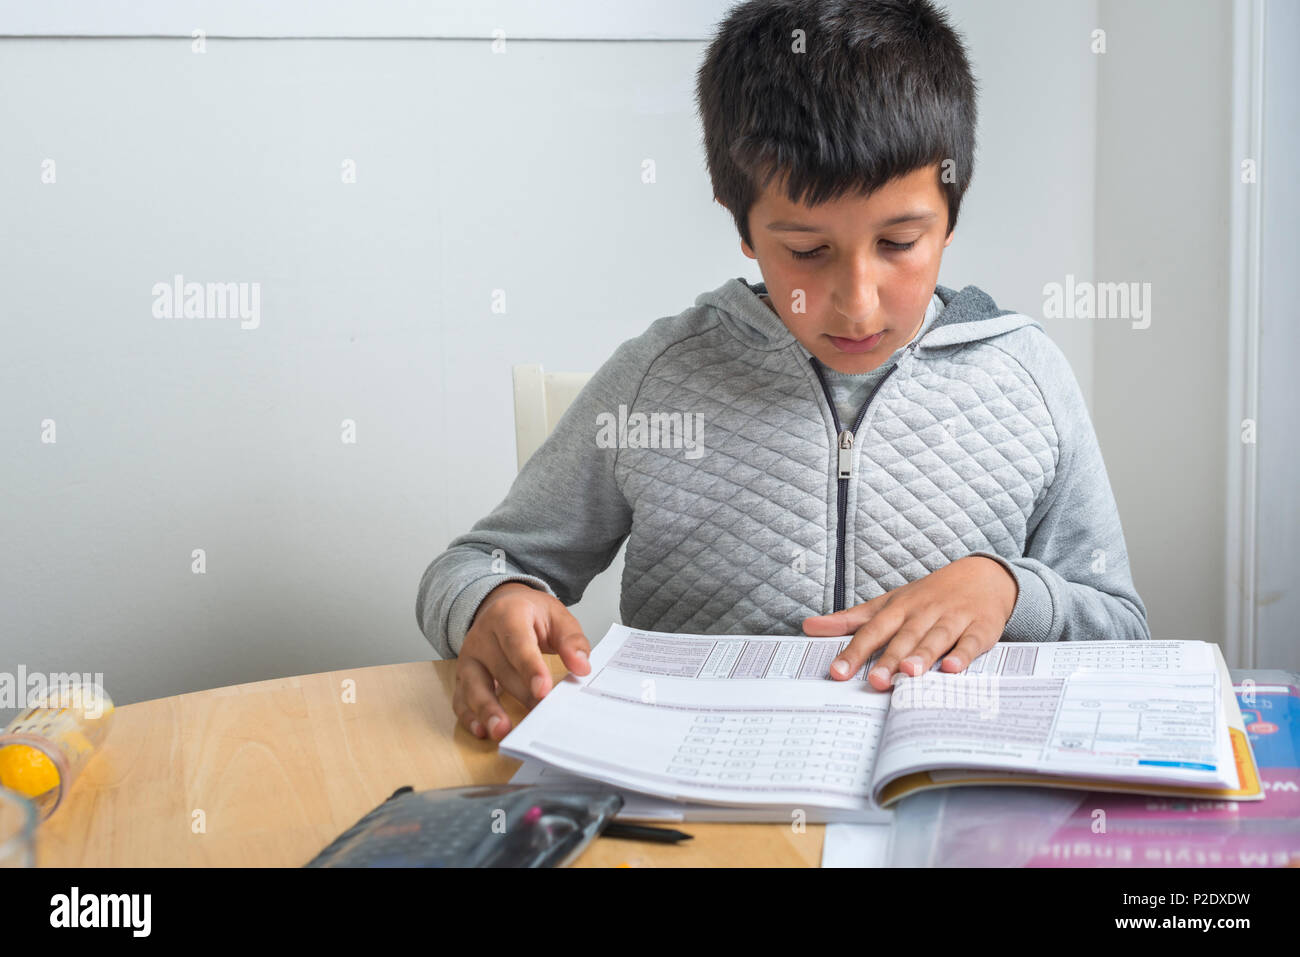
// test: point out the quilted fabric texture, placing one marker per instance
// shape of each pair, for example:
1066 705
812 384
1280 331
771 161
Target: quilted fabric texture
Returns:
958 450
742 542
977 443
952 456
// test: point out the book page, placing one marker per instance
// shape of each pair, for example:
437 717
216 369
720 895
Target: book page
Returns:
1065 658
1145 712
721 719
639 806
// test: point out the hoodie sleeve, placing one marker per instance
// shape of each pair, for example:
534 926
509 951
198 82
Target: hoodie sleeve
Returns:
560 525
1074 576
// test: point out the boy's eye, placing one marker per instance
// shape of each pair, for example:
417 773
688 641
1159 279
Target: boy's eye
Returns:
892 246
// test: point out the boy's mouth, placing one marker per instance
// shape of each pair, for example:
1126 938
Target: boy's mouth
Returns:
857 345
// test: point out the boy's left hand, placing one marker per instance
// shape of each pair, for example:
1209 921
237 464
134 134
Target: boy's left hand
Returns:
962 608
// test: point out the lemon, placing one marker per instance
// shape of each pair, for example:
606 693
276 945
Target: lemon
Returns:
27 770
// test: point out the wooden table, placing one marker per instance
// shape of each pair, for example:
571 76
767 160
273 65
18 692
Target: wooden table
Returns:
266 774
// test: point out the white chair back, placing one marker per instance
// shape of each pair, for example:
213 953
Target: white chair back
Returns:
540 400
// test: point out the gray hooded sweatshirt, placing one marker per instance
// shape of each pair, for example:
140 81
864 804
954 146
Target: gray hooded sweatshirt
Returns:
709 443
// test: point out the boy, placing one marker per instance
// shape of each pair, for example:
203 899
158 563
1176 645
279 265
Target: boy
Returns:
871 454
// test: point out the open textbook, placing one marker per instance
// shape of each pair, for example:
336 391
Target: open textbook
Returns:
756 723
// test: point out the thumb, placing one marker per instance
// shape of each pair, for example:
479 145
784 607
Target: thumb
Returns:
564 637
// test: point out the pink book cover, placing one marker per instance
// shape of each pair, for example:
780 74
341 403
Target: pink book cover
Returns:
1123 830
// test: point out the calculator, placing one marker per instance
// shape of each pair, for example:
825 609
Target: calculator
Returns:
508 825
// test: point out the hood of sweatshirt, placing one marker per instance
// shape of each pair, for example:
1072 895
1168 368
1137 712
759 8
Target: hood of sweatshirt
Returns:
969 315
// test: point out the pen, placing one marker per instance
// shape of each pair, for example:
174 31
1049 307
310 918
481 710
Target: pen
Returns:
637 832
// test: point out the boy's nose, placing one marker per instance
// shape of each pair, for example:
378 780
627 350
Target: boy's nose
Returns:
856 297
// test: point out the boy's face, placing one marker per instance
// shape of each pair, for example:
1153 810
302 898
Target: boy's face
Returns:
859 297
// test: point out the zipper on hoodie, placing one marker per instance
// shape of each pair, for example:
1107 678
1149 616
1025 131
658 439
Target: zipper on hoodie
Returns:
844 470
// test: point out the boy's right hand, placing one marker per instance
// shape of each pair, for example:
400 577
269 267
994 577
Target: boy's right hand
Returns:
514 626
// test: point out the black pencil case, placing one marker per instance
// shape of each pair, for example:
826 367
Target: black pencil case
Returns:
510 825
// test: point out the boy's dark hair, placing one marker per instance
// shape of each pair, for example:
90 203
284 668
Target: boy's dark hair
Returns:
883 88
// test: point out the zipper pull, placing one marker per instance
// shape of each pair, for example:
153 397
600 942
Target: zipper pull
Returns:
846 454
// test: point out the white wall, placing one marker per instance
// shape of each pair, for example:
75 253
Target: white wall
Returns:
566 20
1160 393
475 172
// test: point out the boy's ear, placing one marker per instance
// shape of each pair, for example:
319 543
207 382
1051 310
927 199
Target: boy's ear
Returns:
951 233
